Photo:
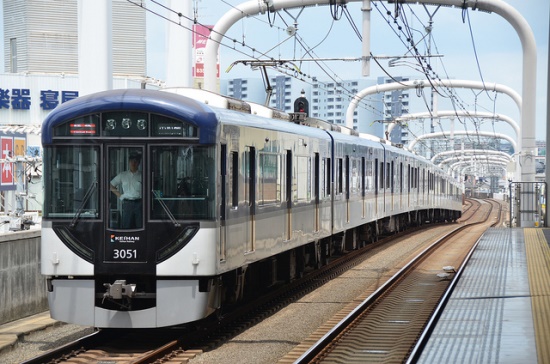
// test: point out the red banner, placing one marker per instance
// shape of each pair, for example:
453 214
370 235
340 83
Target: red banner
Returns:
7 167
200 36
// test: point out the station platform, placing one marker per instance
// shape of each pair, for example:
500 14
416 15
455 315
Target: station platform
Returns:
13 331
499 311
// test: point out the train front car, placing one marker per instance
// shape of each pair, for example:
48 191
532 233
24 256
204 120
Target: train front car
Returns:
129 181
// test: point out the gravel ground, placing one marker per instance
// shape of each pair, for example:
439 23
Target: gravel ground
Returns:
39 342
274 337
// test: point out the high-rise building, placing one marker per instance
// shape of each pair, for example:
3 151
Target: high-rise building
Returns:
330 102
43 37
395 104
248 89
286 89
41 55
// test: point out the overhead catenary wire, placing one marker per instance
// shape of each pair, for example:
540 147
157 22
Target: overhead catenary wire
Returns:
404 32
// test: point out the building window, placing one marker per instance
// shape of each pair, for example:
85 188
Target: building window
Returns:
13 55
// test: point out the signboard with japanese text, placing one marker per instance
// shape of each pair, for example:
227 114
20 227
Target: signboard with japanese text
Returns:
7 167
13 145
21 98
200 36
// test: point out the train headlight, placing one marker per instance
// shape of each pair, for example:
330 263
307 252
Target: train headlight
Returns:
141 124
126 123
111 124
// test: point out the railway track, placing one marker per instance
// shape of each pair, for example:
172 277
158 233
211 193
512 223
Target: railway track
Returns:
393 323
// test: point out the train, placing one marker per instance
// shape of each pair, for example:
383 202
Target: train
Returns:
224 198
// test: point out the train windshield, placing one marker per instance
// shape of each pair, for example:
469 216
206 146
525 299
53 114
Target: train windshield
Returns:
72 189
174 182
183 182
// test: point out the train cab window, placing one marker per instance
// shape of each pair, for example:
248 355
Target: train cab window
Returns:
125 173
71 192
183 180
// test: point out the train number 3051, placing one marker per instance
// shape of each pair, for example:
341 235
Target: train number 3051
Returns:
124 254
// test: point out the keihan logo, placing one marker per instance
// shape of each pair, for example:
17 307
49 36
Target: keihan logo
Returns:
124 239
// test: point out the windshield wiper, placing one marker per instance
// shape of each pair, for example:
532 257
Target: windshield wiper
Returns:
166 209
87 196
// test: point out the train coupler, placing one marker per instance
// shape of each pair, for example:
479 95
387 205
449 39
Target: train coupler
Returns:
119 289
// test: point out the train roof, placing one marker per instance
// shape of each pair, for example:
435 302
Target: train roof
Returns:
152 101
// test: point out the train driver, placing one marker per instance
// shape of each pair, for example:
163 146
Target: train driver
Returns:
127 187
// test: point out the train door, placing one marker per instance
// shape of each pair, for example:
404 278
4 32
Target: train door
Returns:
125 239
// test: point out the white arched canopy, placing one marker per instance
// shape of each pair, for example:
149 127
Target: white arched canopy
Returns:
464 152
470 134
454 113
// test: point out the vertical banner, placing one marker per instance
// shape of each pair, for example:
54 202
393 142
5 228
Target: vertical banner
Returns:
7 167
200 36
19 151
19 146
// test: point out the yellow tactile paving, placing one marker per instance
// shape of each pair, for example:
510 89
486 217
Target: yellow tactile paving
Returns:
538 264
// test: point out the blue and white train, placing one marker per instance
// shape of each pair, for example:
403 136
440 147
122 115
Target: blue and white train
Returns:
235 197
